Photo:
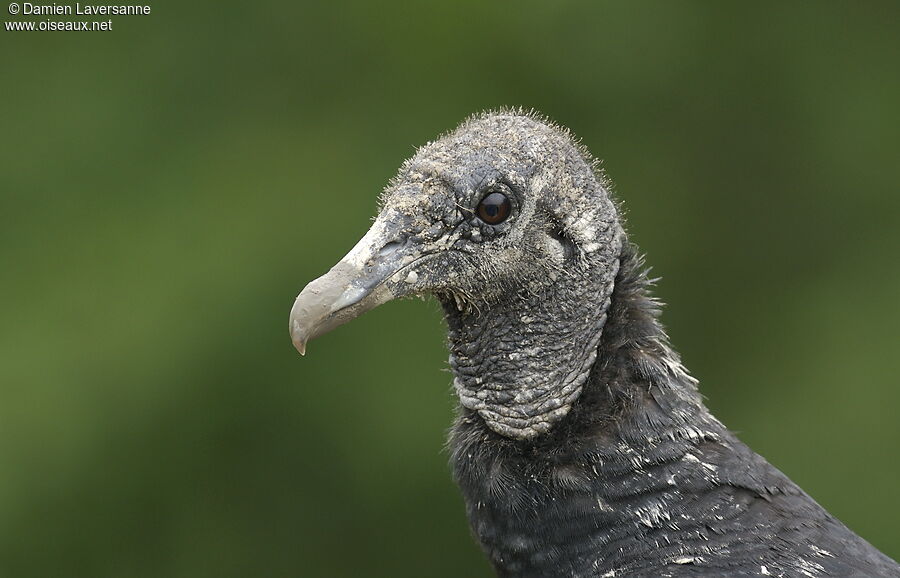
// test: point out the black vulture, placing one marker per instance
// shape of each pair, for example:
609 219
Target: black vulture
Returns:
582 445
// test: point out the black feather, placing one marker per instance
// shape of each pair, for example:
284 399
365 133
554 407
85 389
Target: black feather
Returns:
640 480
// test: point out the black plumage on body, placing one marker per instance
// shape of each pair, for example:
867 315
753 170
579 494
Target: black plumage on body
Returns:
640 480
582 446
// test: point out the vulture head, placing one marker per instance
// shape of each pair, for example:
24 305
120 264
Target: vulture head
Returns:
508 222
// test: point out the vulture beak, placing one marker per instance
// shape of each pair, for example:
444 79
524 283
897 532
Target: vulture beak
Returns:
377 270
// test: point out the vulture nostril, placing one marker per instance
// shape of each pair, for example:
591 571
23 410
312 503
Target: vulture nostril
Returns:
390 248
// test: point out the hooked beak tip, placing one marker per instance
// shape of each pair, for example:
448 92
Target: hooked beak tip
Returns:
360 281
298 337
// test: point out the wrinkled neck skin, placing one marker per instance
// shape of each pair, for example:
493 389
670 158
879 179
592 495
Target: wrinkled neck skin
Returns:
626 404
521 362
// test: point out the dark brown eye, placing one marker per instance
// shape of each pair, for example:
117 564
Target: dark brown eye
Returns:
494 208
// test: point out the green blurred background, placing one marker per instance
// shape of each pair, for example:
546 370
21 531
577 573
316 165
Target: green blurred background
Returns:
168 187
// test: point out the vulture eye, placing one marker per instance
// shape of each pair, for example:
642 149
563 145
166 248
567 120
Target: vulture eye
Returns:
494 208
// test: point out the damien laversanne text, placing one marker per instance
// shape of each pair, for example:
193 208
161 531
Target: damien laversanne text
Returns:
87 9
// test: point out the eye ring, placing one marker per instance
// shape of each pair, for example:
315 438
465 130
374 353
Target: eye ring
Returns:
494 208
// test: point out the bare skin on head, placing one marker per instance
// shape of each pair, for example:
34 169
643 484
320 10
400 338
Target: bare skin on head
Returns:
545 272
582 446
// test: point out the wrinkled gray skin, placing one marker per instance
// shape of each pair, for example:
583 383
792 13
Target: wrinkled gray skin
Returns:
545 275
582 446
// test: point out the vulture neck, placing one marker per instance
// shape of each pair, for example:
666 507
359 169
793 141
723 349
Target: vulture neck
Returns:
636 385
588 476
